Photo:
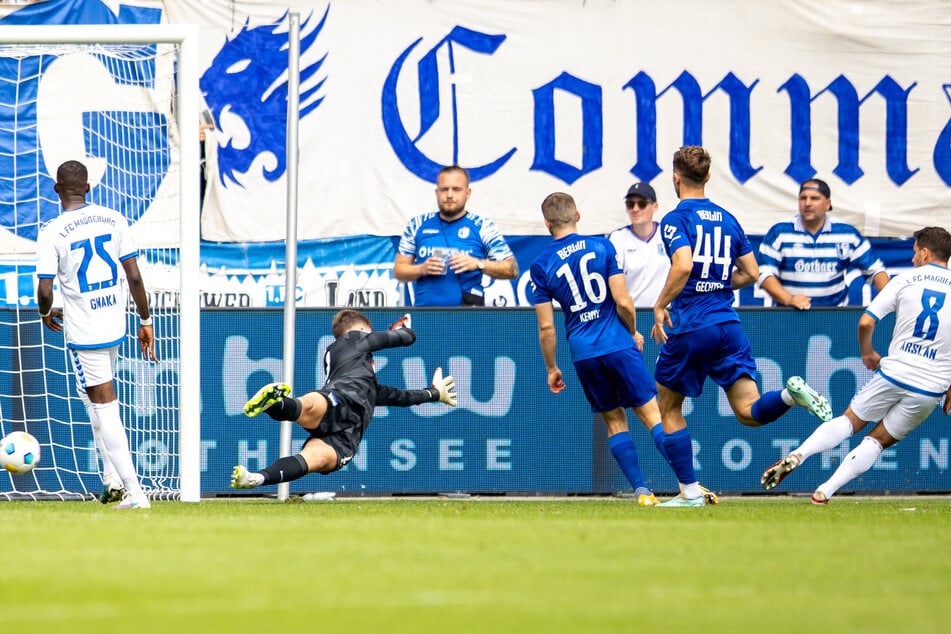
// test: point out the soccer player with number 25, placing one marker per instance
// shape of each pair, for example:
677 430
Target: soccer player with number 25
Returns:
85 246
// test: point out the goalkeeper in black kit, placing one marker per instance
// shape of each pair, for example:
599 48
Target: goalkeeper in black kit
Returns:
337 415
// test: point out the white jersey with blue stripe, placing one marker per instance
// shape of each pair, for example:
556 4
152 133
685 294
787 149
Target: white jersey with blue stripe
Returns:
85 248
645 264
919 356
819 266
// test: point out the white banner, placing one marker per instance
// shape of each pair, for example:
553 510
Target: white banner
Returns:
586 97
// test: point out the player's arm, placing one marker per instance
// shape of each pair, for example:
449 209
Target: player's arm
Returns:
441 391
880 280
870 358
547 339
378 340
141 298
946 408
52 318
625 307
681 263
745 272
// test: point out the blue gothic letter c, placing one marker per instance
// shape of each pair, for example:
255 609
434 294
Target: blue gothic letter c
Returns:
429 105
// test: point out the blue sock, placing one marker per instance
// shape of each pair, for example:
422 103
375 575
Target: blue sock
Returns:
769 407
657 432
623 450
680 453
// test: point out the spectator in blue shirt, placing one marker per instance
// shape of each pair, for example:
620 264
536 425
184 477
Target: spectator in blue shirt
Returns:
445 254
810 260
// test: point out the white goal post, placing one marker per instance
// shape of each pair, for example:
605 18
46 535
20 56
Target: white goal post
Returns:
155 67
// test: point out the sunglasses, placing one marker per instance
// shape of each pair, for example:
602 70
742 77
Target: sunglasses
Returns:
640 204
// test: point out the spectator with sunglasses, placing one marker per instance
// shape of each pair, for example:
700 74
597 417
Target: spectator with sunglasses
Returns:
639 247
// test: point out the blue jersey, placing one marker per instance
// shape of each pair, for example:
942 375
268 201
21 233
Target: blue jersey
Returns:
429 235
819 266
715 240
574 272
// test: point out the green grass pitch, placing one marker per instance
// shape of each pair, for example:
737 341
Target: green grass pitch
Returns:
477 565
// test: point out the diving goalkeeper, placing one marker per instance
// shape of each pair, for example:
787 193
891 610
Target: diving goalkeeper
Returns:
337 415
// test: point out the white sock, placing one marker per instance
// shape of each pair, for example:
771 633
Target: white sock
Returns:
691 491
857 462
117 445
109 474
826 436
787 397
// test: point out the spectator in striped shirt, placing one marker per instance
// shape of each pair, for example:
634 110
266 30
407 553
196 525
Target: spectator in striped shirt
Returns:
810 260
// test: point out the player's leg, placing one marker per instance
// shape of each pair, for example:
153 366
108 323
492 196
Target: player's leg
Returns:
650 411
625 454
679 447
611 383
95 367
316 456
872 402
680 371
649 415
899 421
275 400
265 398
755 410
112 489
826 436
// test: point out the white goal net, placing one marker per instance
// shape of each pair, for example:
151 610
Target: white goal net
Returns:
123 101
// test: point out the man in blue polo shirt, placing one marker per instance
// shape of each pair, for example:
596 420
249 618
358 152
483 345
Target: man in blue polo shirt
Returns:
810 260
445 254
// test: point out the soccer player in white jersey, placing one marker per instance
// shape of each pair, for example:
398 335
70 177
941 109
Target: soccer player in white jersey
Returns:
909 382
643 256
84 247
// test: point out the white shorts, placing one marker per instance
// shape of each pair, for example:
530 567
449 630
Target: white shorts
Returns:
900 409
93 367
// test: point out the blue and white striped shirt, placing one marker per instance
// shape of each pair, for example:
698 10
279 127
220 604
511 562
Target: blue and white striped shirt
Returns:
819 266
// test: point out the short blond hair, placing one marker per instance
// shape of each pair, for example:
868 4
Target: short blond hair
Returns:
559 209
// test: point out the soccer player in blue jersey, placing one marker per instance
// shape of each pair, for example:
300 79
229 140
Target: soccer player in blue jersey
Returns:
582 274
809 260
701 332
447 254
908 383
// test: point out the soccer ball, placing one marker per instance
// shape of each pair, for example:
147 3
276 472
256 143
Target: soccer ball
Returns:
19 452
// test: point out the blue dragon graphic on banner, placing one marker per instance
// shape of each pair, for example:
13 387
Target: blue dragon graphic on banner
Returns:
248 79
23 178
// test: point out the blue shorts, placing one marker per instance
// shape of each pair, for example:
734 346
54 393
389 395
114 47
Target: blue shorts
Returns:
618 379
721 352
